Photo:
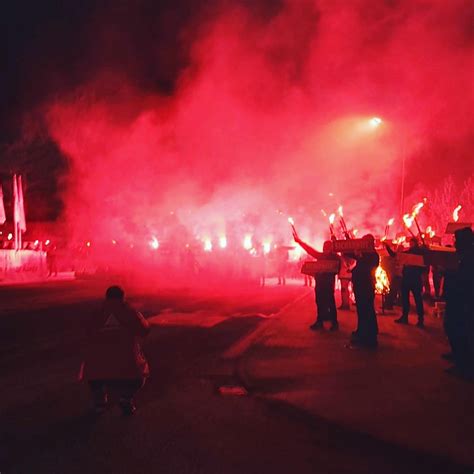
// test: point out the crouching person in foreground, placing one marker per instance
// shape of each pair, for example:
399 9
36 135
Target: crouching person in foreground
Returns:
113 360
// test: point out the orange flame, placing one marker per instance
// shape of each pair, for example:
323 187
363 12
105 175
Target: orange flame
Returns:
154 244
456 212
416 209
247 242
382 283
223 242
339 210
331 218
408 220
291 221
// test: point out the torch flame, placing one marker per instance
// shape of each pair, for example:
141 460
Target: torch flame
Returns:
416 209
408 220
382 283
323 212
291 221
223 242
456 212
154 244
331 218
207 245
248 242
391 221
339 210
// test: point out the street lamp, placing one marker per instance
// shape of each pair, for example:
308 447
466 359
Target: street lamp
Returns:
375 122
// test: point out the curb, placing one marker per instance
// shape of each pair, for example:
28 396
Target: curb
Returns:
239 348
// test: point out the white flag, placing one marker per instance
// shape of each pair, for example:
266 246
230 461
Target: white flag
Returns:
16 208
2 207
21 205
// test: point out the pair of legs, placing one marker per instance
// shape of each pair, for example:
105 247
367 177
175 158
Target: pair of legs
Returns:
367 328
326 307
125 389
345 297
458 326
414 287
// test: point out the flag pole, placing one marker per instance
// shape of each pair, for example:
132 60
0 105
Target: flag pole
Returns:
15 212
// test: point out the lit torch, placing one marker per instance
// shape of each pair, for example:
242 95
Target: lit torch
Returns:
207 245
331 224
343 222
248 242
414 213
292 223
387 227
154 244
408 221
223 242
456 213
382 283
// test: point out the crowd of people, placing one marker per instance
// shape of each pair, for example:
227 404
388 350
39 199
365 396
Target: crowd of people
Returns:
114 362
409 277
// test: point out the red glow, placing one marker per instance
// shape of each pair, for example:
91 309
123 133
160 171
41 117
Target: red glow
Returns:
456 212
290 128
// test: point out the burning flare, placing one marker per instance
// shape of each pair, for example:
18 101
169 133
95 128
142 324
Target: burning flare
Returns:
331 218
291 221
456 212
382 284
154 244
248 242
391 221
408 220
223 242
416 209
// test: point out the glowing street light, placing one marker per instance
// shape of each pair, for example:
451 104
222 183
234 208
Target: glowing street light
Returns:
375 122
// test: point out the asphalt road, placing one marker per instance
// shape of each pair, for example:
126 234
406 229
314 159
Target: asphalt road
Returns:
184 424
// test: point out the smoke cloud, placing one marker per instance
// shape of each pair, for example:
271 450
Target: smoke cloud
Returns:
269 117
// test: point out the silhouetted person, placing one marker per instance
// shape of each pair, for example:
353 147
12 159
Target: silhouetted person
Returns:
363 283
345 276
412 281
459 317
114 361
437 280
281 255
324 285
51 261
307 278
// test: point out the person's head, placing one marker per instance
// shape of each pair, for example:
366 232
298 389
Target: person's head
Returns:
413 242
327 247
114 293
369 238
463 239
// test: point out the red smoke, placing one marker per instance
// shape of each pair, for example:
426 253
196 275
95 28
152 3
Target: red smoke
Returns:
270 117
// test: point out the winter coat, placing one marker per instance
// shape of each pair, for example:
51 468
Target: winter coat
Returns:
113 350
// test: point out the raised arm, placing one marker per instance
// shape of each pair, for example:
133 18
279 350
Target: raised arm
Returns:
389 250
307 248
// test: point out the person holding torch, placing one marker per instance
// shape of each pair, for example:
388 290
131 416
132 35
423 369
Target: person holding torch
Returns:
324 285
